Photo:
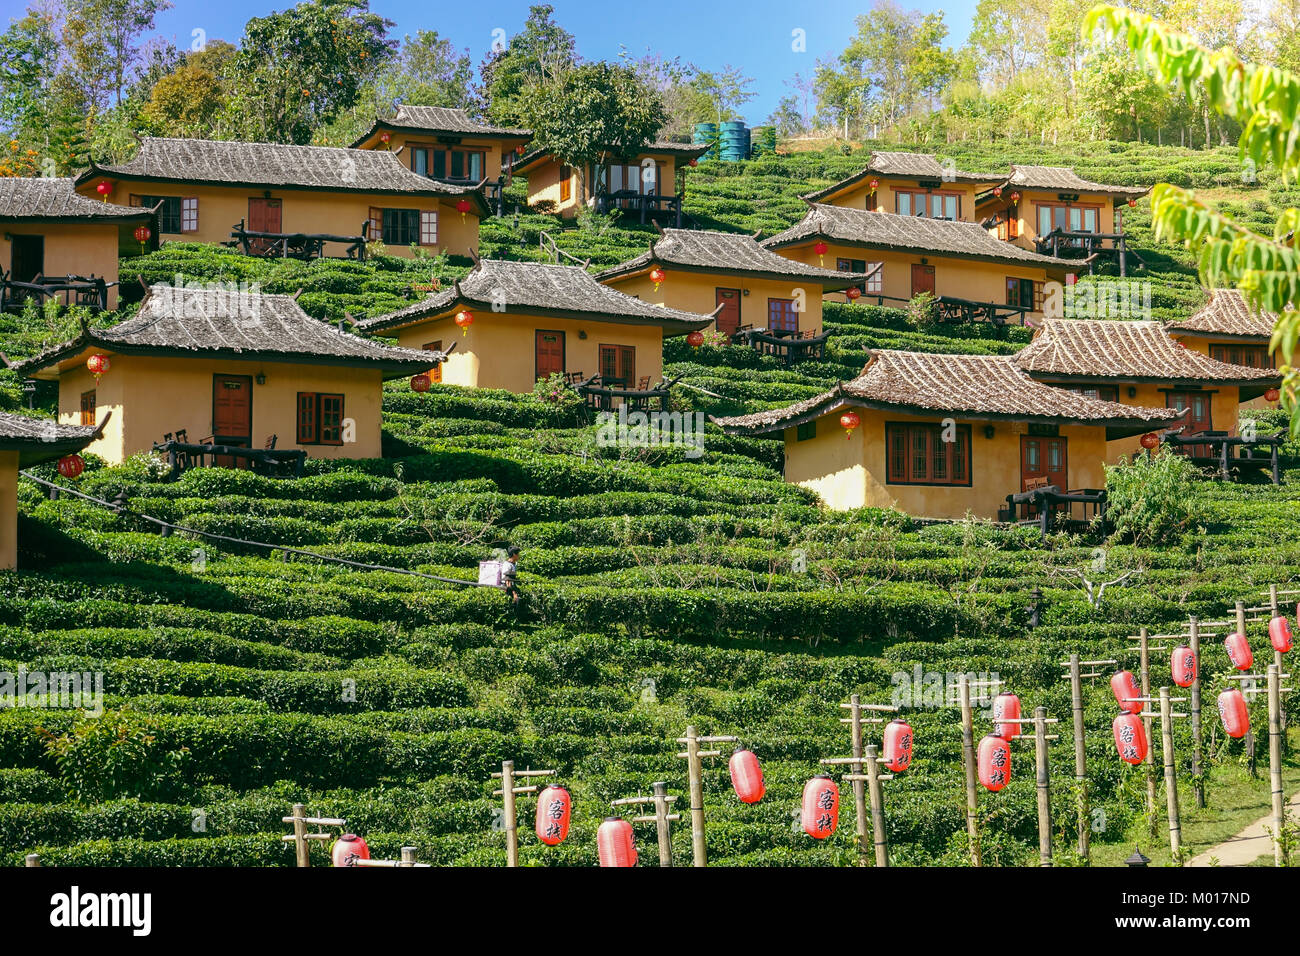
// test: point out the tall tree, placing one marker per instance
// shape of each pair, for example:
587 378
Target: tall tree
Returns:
538 56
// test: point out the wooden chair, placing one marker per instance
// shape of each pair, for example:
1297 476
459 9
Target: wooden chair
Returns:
644 384
270 442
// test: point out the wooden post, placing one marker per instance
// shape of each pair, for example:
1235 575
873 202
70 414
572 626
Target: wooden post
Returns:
300 834
1277 655
32 859
508 804
1198 782
1275 764
877 807
1171 773
698 850
859 791
1043 787
1080 757
662 832
408 856
968 757
1145 649
1250 734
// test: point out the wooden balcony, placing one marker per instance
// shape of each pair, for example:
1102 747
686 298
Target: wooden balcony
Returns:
791 347
649 206
1089 246
89 291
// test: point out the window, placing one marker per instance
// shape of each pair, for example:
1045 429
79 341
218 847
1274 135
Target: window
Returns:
320 419
875 273
435 373
428 227
88 407
176 215
618 363
781 315
189 214
916 454
566 183
1068 218
1251 356
439 162
1107 393
927 203
806 431
1009 226
397 227
1026 293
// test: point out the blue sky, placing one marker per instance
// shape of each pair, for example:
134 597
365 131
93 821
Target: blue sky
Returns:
754 35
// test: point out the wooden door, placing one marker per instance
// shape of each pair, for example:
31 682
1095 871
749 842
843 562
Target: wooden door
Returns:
264 215
232 416
1043 461
1200 419
435 373
922 279
28 258
728 320
550 353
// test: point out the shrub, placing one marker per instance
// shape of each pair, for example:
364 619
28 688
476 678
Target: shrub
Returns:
1152 501
117 754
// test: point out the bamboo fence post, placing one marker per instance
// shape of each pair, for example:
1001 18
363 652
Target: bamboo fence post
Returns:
859 791
694 770
1275 764
300 834
408 856
1250 734
1145 649
968 757
1198 780
1277 660
1171 773
32 859
510 812
1043 786
1080 757
662 833
877 808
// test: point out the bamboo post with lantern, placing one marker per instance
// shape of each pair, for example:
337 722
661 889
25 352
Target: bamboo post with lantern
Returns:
1074 668
855 720
964 685
1167 715
1198 771
1250 734
1145 650
1042 774
695 771
661 818
300 838
1275 764
1277 657
507 793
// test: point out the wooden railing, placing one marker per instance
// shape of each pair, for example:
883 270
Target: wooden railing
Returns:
648 205
1215 450
76 290
295 245
1049 506
791 347
267 461
1075 243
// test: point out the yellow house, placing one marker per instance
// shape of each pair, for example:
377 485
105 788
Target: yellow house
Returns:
227 367
909 184
972 274
642 182
50 230
1052 210
945 436
208 188
528 320
25 442
1139 363
448 145
752 286
1227 328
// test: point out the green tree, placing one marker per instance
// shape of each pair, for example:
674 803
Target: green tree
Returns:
725 92
191 99
538 56
28 51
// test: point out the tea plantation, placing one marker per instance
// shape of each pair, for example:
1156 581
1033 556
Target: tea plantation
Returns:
658 591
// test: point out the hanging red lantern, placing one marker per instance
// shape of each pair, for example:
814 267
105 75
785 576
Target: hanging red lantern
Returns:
1234 713
1272 395
849 421
1239 651
142 235
1150 440
553 807
385 137
897 745
421 382
462 207
348 849
693 163
1132 203
820 248
71 466
1125 688
1279 634
1182 666
1015 197
104 187
994 763
746 776
853 292
615 845
1006 710
657 275
997 191
98 364
464 318
695 339
1130 738
874 184
821 807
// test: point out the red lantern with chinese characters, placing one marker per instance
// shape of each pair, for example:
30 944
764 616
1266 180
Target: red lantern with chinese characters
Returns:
519 150
1279 634
1130 738
614 843
695 339
464 318
1182 666
1125 687
820 248
1233 713
746 776
142 235
897 745
1272 395
462 207
657 275
874 184
553 807
348 849
994 763
1006 710
1150 440
821 807
849 421
71 466
421 382
98 364
853 292
104 187
1239 651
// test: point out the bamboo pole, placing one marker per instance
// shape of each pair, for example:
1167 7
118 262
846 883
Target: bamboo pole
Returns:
662 832
508 804
877 807
300 834
859 791
1043 787
1080 757
1250 734
32 859
1145 650
1275 764
1171 773
1198 781
695 771
968 757
1277 660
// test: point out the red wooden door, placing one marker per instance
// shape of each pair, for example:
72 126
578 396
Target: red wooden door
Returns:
264 215
1200 419
232 415
922 279
1043 458
728 320
550 353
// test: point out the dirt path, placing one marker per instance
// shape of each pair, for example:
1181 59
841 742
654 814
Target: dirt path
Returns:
1248 845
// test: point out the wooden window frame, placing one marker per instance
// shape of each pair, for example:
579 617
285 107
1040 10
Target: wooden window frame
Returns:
1259 353
414 240
566 182
165 219
1103 393
428 227
786 310
435 373
312 410
913 192
902 472
1029 293
88 399
626 372
874 271
806 431
1040 205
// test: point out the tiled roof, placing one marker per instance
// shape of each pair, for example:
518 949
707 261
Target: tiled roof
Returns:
51 198
40 439
909 165
441 120
681 150
1064 179
1227 313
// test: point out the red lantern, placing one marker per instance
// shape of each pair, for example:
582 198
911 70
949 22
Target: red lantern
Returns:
693 163
519 150
1015 197
821 807
104 187
1132 203
553 807
853 292
1183 666
1130 738
1239 651
1150 440
997 191
614 843
874 184
464 318
98 364
1006 708
657 275
1279 634
849 421
1272 395
746 776
348 849
421 382
695 339
820 248
462 207
385 136
1233 713
1125 687
994 763
142 235
71 466
897 745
